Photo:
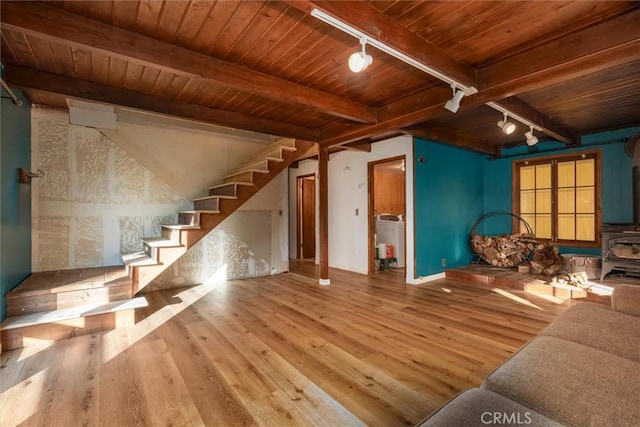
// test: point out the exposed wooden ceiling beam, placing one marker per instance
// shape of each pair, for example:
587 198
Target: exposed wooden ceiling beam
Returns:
40 81
359 146
379 26
550 127
596 48
58 25
605 45
449 138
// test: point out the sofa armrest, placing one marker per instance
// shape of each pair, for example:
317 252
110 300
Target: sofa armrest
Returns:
626 299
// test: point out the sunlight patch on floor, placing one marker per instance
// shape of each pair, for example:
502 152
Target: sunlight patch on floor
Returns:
515 298
28 393
118 340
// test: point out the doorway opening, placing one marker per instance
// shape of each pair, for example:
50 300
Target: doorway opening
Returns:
306 217
387 215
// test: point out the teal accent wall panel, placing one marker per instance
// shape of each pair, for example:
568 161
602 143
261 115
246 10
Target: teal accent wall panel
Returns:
15 198
448 198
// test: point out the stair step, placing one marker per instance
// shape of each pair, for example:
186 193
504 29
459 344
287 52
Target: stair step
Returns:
207 203
152 244
228 188
193 217
259 166
274 154
71 313
243 175
53 290
138 259
286 143
20 331
260 163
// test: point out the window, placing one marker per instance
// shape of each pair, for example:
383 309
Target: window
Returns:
560 198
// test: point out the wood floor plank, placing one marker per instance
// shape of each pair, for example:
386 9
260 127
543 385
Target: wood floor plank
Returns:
165 392
277 350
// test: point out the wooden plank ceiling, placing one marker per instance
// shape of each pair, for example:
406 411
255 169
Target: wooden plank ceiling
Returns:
271 67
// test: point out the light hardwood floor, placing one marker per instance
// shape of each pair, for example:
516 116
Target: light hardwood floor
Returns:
277 351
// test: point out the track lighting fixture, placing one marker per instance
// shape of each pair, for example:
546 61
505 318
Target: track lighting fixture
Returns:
359 61
454 103
531 138
506 126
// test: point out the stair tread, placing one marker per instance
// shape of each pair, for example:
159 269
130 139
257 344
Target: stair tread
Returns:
181 227
72 313
138 259
232 183
203 198
240 172
50 282
160 242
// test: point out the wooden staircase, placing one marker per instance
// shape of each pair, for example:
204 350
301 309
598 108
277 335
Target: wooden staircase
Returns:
209 211
53 305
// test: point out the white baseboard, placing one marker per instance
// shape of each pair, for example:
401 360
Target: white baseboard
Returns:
425 279
324 282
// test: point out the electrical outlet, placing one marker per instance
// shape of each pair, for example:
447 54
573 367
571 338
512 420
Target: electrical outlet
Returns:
444 262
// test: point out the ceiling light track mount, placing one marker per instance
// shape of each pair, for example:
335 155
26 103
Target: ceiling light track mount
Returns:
336 23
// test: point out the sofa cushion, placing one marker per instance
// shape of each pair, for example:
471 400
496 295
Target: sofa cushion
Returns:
479 407
571 383
597 326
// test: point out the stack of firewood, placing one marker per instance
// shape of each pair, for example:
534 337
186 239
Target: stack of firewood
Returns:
546 260
579 279
507 250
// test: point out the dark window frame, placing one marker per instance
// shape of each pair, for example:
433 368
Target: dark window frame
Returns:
553 160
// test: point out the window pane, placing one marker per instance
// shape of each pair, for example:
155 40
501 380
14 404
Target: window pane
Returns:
566 227
531 220
585 227
543 201
527 201
543 176
566 174
527 181
543 226
566 200
585 200
585 170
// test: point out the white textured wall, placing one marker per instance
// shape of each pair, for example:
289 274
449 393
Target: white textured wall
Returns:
100 196
348 192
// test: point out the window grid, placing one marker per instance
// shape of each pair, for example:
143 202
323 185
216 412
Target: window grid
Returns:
574 219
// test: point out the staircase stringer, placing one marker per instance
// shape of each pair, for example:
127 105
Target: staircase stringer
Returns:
143 275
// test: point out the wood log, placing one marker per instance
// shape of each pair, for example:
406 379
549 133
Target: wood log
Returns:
508 250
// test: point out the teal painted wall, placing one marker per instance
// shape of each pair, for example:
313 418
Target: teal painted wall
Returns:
616 179
15 198
448 198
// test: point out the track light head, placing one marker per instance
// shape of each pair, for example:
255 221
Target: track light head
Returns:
506 126
359 61
531 138
454 103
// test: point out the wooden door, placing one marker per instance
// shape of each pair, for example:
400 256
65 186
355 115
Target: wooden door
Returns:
307 217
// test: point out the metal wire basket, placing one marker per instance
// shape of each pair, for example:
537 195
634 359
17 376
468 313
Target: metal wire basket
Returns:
529 237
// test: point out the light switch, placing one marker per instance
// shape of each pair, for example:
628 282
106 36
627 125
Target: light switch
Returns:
357 212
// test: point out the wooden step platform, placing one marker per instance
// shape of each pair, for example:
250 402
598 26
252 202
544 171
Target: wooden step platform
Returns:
21 331
509 278
54 290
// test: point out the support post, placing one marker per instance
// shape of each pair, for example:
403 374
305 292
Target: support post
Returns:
323 184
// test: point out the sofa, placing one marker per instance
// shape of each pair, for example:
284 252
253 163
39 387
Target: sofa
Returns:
583 369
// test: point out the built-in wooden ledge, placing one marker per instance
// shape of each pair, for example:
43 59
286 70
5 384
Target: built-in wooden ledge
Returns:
510 278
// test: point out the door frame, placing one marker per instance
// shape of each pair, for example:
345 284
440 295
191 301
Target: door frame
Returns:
299 213
371 206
